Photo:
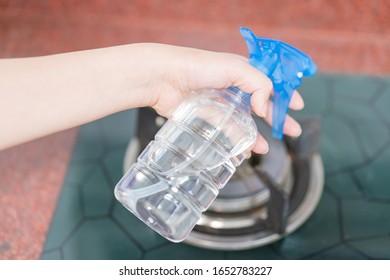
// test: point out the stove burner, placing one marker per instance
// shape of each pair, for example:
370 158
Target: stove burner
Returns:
268 197
246 189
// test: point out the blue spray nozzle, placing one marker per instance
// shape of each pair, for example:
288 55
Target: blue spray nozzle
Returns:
284 65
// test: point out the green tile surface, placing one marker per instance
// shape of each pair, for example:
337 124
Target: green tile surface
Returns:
314 91
68 215
338 136
375 176
349 89
318 233
100 239
365 218
339 252
373 248
52 255
371 146
264 253
181 251
343 185
89 144
352 220
95 192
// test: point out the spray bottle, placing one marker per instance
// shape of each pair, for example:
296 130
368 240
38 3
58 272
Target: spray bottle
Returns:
210 134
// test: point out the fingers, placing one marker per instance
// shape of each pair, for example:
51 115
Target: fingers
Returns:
296 102
224 70
251 80
254 81
261 90
291 127
261 146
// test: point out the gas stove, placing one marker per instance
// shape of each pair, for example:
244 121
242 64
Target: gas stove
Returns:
267 198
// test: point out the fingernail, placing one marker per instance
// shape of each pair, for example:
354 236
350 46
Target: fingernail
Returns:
298 103
263 110
298 131
266 149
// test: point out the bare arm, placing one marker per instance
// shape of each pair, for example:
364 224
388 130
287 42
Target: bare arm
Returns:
43 95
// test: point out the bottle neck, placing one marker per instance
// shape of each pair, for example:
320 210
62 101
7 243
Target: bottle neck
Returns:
242 99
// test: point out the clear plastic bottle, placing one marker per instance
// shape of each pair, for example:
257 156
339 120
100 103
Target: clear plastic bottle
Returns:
193 155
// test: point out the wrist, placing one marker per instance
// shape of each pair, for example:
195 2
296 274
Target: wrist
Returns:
134 76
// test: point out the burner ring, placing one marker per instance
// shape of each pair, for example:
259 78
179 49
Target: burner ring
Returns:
253 233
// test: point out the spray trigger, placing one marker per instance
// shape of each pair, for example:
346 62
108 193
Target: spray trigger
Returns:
284 65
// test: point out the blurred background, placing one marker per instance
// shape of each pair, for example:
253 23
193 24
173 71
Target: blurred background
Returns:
349 41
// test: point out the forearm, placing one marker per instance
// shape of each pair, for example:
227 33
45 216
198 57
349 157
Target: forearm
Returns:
47 94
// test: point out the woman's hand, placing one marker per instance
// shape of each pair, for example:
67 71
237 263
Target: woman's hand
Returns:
183 70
